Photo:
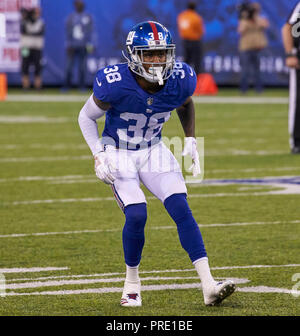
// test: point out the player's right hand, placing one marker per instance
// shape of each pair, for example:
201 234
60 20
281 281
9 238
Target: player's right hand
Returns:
104 168
292 62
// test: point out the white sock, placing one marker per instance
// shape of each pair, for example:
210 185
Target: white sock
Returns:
132 274
203 270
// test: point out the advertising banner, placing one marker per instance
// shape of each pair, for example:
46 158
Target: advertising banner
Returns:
9 43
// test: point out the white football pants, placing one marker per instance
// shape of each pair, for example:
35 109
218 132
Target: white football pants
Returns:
156 167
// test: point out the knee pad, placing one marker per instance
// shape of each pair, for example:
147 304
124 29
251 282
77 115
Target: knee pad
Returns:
136 217
178 208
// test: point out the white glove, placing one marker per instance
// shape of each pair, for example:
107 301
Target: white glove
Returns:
104 168
190 148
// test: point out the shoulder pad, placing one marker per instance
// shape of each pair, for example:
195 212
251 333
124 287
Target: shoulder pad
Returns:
106 82
186 76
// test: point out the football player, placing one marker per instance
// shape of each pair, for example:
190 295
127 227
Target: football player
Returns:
137 98
291 42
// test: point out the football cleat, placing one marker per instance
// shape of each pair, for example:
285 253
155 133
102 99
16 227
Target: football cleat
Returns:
295 150
219 292
131 296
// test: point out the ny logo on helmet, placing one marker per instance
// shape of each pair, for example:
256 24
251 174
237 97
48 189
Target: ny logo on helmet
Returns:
130 37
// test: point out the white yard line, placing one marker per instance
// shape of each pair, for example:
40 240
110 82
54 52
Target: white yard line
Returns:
45 178
292 191
197 99
39 284
45 158
240 100
83 146
6 119
267 289
18 235
32 269
63 98
57 146
251 170
96 275
107 290
257 289
66 200
35 283
90 176
232 152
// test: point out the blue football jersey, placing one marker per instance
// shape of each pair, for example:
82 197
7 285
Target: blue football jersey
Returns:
136 117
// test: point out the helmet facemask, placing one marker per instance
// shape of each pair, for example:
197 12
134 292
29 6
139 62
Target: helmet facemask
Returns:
157 72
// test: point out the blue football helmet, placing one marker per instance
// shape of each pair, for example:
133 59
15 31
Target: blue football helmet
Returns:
150 35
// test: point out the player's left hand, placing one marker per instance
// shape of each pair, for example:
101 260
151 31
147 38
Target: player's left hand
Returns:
190 148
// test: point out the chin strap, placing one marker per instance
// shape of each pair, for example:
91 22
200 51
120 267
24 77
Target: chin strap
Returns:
157 72
159 76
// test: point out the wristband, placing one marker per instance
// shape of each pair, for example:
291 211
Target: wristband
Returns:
293 53
290 55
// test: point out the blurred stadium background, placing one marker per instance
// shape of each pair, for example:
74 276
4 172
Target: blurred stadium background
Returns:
113 19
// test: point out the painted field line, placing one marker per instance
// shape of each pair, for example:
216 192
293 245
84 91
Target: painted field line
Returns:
258 289
58 146
267 289
91 180
171 227
151 272
6 119
17 235
107 290
63 98
250 223
89 176
65 200
244 152
294 191
39 284
253 266
83 146
240 100
32 269
46 178
45 158
199 100
89 157
251 170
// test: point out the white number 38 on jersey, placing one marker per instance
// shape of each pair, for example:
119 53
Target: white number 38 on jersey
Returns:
112 74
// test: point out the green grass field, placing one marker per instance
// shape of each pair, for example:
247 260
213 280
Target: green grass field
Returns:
61 230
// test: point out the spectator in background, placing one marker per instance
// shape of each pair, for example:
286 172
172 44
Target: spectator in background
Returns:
191 30
31 46
252 41
291 42
79 29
